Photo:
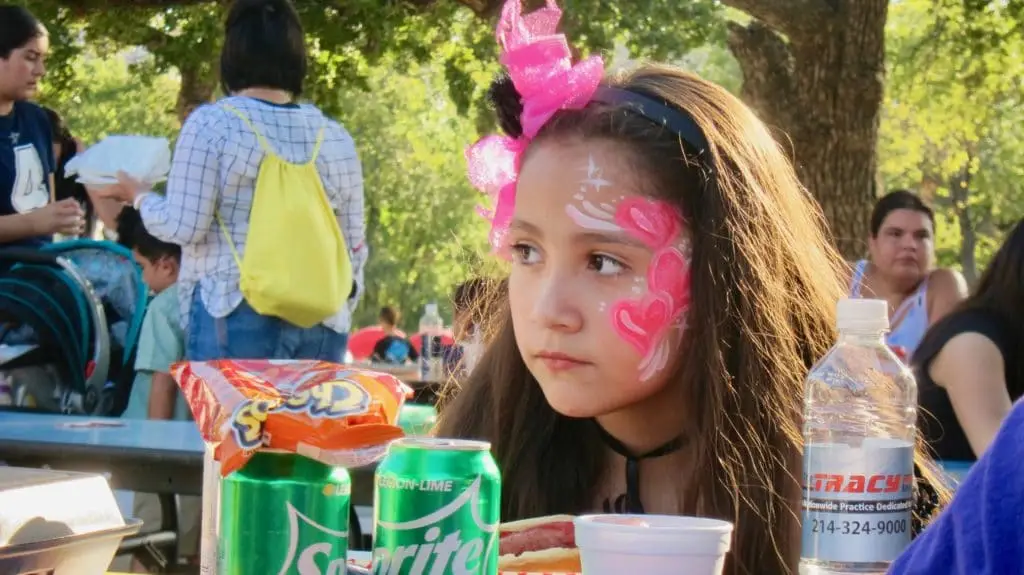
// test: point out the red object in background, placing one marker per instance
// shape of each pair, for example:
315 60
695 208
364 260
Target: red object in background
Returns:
900 351
361 342
446 339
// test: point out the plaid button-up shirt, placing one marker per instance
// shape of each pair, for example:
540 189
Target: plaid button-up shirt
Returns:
214 167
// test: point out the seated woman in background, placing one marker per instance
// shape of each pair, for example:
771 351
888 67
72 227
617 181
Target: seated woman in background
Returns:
901 270
970 367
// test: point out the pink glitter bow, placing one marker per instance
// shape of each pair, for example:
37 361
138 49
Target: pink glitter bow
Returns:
539 63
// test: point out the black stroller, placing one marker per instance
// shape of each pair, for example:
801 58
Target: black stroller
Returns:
70 315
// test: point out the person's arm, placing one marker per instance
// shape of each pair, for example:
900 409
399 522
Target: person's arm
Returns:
107 209
63 217
352 218
979 533
185 213
17 227
162 395
946 289
971 369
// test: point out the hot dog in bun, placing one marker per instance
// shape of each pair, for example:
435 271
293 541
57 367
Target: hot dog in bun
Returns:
540 545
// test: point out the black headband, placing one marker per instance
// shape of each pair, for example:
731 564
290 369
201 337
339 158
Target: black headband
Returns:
662 114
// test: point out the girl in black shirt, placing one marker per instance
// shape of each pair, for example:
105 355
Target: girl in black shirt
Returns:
969 366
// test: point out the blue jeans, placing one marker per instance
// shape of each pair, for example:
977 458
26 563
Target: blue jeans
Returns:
245 334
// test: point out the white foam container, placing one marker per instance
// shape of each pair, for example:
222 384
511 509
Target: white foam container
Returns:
58 522
661 545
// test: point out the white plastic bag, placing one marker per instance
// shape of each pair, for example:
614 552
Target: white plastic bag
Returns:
142 157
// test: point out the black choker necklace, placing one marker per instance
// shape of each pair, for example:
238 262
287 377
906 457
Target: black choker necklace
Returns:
629 502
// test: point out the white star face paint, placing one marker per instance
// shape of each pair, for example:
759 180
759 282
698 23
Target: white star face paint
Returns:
588 214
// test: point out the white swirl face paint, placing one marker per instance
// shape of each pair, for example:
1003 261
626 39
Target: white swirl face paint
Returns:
588 214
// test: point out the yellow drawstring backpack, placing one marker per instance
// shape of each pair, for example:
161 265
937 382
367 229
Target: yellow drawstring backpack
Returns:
296 265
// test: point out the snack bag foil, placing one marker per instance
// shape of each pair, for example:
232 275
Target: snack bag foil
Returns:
325 411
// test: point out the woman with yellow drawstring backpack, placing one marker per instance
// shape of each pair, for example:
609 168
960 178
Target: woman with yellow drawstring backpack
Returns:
265 196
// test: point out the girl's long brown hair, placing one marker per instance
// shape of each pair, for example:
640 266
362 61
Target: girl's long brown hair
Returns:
765 282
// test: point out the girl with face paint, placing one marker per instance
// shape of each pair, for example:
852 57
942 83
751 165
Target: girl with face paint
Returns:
671 283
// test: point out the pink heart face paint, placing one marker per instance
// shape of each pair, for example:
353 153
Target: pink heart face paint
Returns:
599 282
645 321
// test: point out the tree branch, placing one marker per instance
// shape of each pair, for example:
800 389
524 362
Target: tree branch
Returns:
792 18
767 66
483 8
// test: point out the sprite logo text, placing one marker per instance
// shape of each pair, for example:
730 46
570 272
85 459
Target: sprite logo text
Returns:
330 551
427 549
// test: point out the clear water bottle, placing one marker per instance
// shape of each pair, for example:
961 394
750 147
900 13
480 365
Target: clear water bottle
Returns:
431 326
860 417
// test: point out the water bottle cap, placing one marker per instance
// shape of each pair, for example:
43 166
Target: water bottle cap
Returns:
862 314
431 309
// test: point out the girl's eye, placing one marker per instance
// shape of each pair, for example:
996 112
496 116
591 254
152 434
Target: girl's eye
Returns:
525 254
606 265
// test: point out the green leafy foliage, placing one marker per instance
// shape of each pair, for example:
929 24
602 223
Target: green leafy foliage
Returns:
350 38
953 126
423 230
106 97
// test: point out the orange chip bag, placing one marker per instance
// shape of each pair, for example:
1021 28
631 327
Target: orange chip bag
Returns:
325 411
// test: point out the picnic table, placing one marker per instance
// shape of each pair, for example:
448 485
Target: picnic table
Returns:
161 457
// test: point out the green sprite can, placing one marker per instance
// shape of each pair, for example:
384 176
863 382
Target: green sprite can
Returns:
284 514
436 509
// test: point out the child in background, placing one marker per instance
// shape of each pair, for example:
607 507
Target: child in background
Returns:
154 393
394 347
671 284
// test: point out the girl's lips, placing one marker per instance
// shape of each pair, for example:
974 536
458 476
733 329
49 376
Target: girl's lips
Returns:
556 361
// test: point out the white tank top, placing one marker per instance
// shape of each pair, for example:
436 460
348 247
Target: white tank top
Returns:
910 320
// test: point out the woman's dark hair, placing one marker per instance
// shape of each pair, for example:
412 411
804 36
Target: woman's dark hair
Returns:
897 200
264 47
58 128
132 234
765 279
17 27
69 187
473 299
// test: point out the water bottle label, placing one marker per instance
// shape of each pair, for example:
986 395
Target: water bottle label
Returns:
857 501
425 356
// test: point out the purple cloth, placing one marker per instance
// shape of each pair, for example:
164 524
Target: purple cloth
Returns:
982 530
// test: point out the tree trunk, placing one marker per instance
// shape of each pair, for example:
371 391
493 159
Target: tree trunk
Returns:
822 88
959 193
198 83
